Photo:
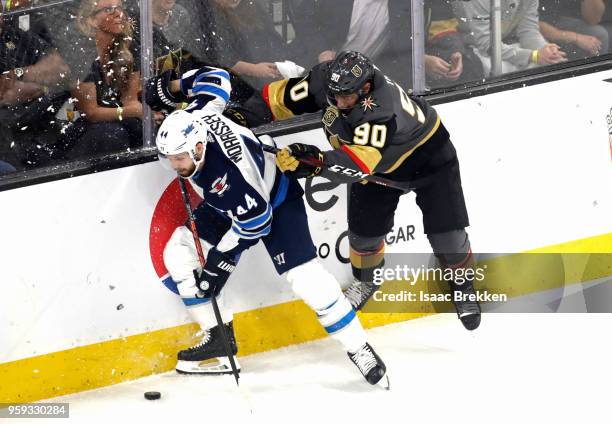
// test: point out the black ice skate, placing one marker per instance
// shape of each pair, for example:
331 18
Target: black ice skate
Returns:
359 293
468 310
208 357
370 365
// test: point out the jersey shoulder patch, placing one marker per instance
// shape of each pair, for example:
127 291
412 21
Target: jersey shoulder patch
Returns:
377 106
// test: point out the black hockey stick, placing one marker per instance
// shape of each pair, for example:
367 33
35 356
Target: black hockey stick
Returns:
405 186
213 299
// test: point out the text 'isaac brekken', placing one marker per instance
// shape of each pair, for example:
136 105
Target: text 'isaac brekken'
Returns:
457 296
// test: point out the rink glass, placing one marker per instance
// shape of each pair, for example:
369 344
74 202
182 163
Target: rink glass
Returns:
43 124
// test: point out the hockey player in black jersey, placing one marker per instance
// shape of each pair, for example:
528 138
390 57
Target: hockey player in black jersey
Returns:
376 128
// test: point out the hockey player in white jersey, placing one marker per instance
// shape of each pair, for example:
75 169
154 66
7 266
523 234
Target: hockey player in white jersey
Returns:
246 199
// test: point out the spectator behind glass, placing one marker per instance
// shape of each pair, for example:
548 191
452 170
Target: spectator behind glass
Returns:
562 22
175 27
248 44
172 20
32 88
108 97
597 12
380 29
523 46
447 59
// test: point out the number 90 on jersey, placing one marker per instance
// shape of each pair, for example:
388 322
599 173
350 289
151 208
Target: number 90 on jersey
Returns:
374 135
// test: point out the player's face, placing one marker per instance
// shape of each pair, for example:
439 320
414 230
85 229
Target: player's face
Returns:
182 164
346 102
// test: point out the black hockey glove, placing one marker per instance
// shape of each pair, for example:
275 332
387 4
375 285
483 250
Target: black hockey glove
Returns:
158 95
216 271
292 160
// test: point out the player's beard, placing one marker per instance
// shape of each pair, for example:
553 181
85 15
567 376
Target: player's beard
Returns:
191 170
187 172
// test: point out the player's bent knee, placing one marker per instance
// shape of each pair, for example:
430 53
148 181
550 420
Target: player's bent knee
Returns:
365 244
366 255
452 248
314 284
180 256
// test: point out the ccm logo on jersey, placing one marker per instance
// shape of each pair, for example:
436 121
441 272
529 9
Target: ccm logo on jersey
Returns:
220 186
338 169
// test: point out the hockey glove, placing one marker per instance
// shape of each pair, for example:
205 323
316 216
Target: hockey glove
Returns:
216 271
158 95
292 160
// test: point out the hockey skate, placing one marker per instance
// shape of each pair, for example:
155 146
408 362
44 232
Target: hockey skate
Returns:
208 356
468 310
359 292
371 366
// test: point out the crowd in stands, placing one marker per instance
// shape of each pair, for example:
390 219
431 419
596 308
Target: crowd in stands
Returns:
70 74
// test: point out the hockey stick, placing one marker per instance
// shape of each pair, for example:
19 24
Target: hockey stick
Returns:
405 186
213 299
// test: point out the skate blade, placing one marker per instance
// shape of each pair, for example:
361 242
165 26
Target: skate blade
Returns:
214 366
384 382
470 320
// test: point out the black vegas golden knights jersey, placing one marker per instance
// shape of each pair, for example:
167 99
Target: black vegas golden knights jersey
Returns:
377 135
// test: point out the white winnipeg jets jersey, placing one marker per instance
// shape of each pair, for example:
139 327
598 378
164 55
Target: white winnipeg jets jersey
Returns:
238 179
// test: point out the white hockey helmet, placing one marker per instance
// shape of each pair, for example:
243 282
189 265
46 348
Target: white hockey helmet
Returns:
180 133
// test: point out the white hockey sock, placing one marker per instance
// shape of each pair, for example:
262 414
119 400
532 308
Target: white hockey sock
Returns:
320 290
201 310
341 322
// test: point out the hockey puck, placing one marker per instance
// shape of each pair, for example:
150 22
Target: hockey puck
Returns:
152 395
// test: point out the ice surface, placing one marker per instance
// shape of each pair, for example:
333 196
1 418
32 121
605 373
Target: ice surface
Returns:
515 368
